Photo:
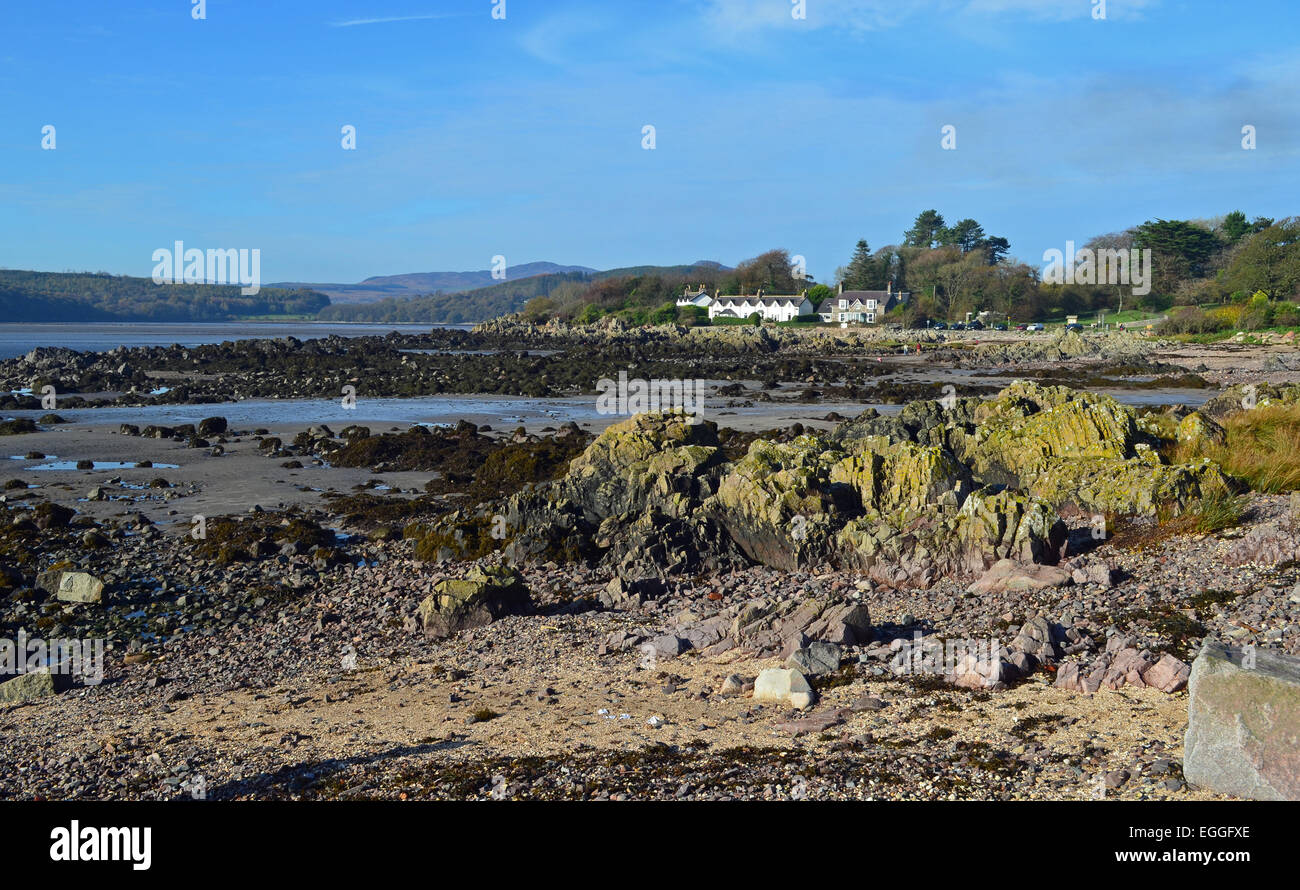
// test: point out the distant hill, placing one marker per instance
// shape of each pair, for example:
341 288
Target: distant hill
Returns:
502 298
82 296
415 284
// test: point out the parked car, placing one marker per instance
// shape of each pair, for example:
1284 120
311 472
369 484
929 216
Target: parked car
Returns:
976 325
999 327
1034 327
1022 327
958 326
939 326
1077 328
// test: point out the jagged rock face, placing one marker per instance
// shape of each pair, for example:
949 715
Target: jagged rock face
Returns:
909 516
658 546
956 542
1124 487
1067 446
776 502
652 460
926 422
942 489
1028 426
900 477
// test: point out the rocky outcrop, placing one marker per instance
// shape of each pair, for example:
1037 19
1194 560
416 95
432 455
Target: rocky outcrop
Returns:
776 502
1073 447
943 489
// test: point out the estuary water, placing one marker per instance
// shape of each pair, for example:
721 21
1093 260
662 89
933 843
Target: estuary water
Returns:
19 339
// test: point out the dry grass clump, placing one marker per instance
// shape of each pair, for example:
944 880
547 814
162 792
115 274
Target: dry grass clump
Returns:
1263 447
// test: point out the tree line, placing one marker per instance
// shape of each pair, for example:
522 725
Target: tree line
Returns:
27 296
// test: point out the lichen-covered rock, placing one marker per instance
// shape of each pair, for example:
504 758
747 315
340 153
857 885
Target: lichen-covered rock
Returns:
1027 426
889 477
481 597
1086 449
651 460
776 502
924 422
1197 428
1137 486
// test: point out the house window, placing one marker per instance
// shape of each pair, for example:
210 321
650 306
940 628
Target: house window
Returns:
844 304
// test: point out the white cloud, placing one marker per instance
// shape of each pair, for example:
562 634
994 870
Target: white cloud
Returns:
350 23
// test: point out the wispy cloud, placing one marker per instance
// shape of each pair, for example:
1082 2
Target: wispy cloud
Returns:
350 23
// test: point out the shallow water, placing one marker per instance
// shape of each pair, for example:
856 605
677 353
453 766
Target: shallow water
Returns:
19 339
99 465
491 409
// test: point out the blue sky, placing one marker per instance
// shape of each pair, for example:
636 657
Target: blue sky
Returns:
522 137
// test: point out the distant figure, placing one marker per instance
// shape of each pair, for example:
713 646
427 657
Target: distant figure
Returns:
904 349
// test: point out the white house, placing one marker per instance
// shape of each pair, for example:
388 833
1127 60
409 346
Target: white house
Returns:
860 306
777 308
698 298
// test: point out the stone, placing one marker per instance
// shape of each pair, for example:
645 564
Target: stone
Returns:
211 426
481 597
813 722
80 587
816 658
1243 722
1168 674
33 685
972 672
733 685
1006 575
1116 778
665 646
784 686
866 702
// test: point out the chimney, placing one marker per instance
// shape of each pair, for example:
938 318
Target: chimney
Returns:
841 287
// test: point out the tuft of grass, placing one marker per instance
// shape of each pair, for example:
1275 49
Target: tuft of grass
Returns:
1217 511
1262 448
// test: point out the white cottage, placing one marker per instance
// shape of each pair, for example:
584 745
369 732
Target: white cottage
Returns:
698 298
774 308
